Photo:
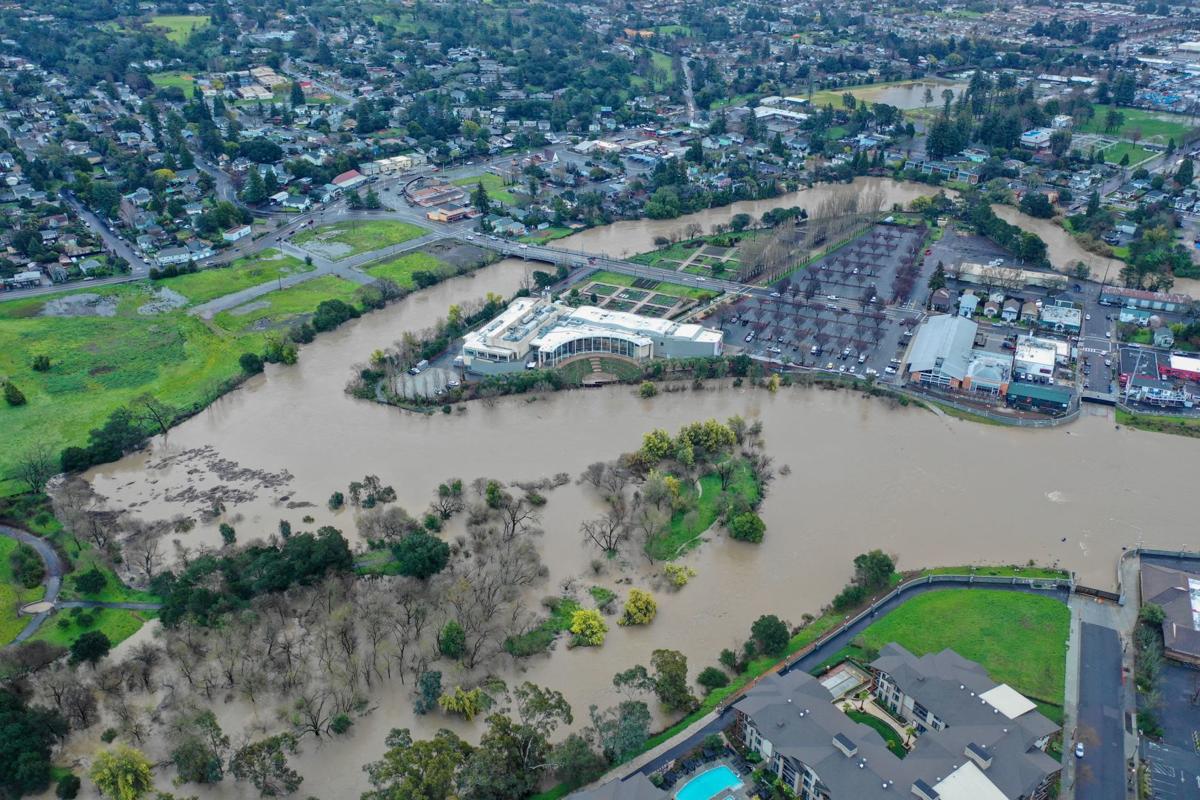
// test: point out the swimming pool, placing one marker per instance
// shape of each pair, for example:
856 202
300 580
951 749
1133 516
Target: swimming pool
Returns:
708 784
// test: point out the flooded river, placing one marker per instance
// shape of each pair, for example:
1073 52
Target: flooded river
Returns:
864 474
626 238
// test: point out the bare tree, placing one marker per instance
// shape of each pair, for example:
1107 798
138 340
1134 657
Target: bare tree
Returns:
36 466
607 532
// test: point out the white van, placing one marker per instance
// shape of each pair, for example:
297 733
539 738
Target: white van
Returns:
419 367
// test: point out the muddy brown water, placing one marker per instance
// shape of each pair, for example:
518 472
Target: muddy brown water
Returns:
626 238
864 474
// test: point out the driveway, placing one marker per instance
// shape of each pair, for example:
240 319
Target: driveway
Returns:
54 575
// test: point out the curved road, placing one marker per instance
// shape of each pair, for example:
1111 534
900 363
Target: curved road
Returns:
53 583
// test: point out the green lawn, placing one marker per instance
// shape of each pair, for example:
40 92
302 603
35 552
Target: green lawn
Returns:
547 235
1180 426
893 740
180 80
99 364
115 623
12 596
360 237
539 639
1160 127
1011 571
253 270
401 269
676 289
700 512
1136 153
576 371
280 308
1020 639
179 27
494 185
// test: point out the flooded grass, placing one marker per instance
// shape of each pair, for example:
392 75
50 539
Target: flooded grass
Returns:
1179 426
541 637
701 509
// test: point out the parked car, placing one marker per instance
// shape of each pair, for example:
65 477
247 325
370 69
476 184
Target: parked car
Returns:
1079 749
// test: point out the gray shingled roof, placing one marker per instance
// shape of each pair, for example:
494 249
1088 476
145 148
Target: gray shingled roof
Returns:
943 344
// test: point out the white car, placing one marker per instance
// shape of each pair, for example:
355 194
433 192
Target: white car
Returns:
1079 749
1087 317
523 246
776 294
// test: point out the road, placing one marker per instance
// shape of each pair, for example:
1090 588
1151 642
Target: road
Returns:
52 581
1100 774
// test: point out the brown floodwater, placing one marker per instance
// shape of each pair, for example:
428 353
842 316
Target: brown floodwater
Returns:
628 237
863 474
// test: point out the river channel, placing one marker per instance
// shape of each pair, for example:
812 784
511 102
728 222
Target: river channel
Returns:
863 474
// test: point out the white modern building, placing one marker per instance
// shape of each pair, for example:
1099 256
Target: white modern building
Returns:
1034 359
535 332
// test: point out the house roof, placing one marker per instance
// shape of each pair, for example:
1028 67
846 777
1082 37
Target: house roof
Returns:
1178 593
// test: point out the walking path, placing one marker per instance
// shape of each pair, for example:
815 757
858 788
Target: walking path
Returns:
41 610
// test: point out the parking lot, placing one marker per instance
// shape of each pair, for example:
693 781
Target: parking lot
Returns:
849 311
431 382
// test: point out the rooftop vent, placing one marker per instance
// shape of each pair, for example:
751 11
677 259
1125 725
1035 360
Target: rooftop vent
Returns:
979 754
924 791
845 745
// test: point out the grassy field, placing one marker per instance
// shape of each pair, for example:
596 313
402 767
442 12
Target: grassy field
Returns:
540 638
360 237
279 309
1136 153
676 289
547 235
180 80
99 364
494 185
12 595
701 510
1154 126
576 371
115 623
178 27
401 269
209 284
1019 639
1011 571
1180 426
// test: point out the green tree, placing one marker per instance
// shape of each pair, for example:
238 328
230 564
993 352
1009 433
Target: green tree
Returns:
771 635
228 534
1185 174
264 764
575 763
621 731
29 735
122 773
873 570
429 689
251 363
199 756
254 192
417 769
480 199
1152 614
747 527
90 647
938 279
91 582
670 680
67 787
297 97
712 678
452 640
420 555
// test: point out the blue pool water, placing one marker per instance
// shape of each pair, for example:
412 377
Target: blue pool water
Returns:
708 784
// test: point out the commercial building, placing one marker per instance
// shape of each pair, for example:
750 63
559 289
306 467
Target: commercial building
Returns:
1183 367
1038 397
941 352
1010 278
1034 358
1178 594
539 333
1036 139
1137 298
988 372
1061 318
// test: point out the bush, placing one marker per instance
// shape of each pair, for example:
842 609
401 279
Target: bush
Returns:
678 574
90 582
67 787
27 566
336 501
747 527
640 608
41 364
648 389
340 724
452 640
251 363
853 595
712 678
13 395
589 627
228 534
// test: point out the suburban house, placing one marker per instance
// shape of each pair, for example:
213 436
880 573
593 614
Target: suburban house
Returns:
1011 310
1061 318
967 304
941 351
940 300
237 232
1178 594
1164 337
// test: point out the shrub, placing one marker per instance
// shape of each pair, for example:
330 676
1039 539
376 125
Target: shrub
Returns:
648 389
42 364
228 534
251 363
27 566
452 640
340 724
90 582
336 501
678 574
429 689
13 395
712 678
849 597
747 527
589 627
468 704
640 608
67 787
